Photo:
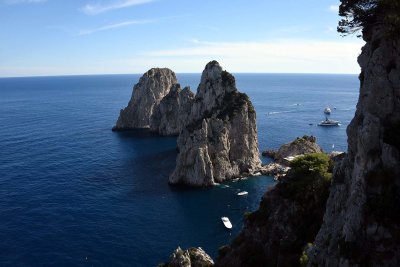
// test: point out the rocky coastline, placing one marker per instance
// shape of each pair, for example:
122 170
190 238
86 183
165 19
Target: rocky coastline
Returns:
342 211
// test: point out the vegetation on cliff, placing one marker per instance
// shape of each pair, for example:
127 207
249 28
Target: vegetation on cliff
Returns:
365 14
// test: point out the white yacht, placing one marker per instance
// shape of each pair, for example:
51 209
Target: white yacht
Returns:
243 193
226 222
327 110
328 122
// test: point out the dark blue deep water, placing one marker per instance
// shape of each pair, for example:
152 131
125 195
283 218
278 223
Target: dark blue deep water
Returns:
74 193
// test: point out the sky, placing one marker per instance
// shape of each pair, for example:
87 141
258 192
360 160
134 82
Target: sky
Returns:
74 37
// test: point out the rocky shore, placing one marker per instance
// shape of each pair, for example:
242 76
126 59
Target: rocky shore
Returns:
288 152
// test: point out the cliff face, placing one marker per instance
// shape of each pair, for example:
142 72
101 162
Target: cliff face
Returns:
146 96
362 220
360 225
220 140
173 112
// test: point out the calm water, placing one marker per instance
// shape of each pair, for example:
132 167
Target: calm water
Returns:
73 193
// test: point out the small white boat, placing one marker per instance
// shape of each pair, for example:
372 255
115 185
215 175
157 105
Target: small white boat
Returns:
327 110
243 193
226 222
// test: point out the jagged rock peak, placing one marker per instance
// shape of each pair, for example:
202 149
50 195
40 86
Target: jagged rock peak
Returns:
146 96
214 85
219 141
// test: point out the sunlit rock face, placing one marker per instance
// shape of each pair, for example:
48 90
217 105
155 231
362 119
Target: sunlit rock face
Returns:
147 94
220 140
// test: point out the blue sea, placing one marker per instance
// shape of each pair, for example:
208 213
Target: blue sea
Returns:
74 193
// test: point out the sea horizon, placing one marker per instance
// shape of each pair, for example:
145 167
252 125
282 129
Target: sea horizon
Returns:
234 73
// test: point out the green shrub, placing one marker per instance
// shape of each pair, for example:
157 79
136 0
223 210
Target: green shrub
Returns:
304 257
309 178
312 164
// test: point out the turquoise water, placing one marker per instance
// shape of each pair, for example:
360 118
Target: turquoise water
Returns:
73 193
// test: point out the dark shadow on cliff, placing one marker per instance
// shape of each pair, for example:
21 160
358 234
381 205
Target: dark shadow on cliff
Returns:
289 217
137 133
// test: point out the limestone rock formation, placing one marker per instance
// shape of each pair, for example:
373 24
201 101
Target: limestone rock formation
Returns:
217 127
173 112
362 220
192 257
146 96
300 146
220 140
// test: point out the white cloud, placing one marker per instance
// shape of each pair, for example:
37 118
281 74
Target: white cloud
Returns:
13 2
272 56
334 8
282 56
94 9
114 26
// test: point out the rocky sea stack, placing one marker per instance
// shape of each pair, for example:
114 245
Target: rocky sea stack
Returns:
220 140
217 127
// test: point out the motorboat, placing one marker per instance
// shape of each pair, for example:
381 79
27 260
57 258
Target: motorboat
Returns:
327 110
328 122
243 193
226 222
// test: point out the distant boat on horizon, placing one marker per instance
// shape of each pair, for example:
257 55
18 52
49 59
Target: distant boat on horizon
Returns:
327 111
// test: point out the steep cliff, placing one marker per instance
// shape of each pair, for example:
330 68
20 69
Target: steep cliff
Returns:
362 220
146 96
173 112
220 140
289 217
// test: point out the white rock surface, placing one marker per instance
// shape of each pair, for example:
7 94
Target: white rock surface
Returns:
153 86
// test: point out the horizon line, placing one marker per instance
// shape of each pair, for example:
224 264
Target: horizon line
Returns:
110 74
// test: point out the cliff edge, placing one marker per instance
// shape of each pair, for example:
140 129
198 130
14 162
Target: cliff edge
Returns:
362 219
